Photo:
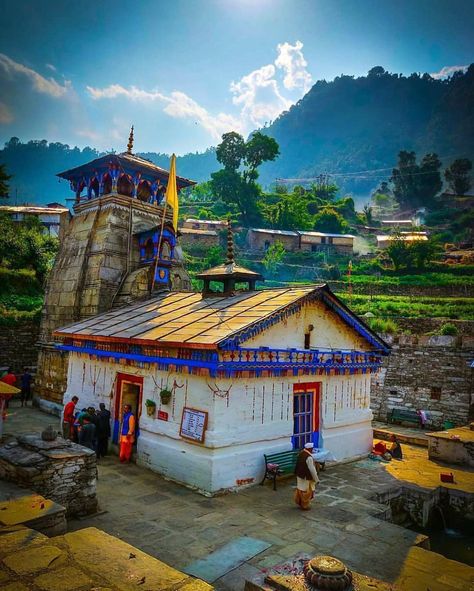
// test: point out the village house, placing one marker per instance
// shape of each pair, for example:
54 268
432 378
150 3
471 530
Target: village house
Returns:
214 225
204 238
50 215
218 378
384 240
261 239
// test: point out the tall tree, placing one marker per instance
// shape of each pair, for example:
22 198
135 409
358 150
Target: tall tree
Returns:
236 182
416 185
4 178
458 176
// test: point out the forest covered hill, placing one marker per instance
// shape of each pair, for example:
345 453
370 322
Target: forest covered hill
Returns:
350 127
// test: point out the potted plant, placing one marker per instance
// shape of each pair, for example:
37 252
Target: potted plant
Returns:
165 396
150 407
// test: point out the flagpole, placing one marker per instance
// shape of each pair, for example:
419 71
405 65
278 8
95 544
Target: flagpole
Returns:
159 246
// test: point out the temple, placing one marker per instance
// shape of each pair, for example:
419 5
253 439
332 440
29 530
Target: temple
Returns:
120 246
218 378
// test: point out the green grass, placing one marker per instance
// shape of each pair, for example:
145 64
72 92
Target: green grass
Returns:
411 307
426 279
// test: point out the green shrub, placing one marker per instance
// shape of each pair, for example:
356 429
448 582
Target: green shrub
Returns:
449 329
382 325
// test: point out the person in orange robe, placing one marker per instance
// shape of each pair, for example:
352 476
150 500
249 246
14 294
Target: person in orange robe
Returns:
127 434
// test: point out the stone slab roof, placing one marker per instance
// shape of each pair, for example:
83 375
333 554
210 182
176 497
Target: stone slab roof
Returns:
189 319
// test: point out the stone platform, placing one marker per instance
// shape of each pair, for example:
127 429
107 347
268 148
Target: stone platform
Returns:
59 470
454 446
411 435
23 507
81 561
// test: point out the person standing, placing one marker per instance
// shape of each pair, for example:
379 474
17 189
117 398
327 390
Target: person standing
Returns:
68 418
127 434
9 377
25 381
306 477
87 433
103 430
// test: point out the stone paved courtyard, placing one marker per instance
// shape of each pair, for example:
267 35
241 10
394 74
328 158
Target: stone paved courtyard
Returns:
178 526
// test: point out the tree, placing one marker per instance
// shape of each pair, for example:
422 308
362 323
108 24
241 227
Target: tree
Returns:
428 181
397 250
289 212
273 256
329 220
422 252
25 245
458 176
369 218
236 182
416 185
231 151
4 178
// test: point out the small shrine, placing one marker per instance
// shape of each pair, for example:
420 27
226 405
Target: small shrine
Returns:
219 378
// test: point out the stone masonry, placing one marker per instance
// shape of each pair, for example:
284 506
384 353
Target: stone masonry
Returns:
97 262
430 373
58 470
18 345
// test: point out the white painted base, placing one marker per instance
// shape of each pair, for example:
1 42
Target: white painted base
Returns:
208 471
349 440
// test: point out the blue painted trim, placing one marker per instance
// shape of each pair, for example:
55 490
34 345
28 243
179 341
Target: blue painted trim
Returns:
228 368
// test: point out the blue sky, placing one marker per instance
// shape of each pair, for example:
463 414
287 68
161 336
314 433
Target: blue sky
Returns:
185 71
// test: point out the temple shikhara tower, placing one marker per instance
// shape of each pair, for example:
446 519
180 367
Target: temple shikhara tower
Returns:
120 246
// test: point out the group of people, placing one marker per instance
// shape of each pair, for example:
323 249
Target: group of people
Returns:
88 427
25 383
91 428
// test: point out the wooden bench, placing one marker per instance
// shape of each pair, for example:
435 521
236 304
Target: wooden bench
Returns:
282 464
402 415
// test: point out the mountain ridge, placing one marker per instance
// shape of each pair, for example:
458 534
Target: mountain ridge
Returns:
350 127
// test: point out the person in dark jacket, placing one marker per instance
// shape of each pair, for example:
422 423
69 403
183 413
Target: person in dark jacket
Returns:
103 430
306 477
25 381
87 433
396 450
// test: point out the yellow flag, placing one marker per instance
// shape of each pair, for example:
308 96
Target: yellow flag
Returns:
172 192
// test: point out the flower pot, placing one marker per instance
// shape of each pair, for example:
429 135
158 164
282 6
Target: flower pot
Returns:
165 396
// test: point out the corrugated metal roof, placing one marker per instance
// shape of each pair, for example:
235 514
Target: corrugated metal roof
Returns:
184 230
186 318
279 232
325 235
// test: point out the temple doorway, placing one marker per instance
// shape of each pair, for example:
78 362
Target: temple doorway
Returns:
129 391
306 414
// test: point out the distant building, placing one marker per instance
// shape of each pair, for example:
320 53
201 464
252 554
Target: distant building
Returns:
205 224
319 241
192 237
261 239
293 241
384 240
49 215
397 224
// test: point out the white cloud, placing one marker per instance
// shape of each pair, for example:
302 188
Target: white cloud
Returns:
258 96
448 71
291 60
41 84
51 67
177 104
6 116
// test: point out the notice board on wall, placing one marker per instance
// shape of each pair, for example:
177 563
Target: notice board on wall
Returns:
193 424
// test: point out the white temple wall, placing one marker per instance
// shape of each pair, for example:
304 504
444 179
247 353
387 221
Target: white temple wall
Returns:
330 331
247 418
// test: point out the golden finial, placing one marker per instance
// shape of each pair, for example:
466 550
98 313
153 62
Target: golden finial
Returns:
130 142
